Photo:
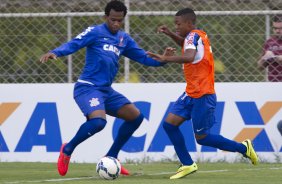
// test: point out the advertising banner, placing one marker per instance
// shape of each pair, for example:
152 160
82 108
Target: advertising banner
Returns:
35 119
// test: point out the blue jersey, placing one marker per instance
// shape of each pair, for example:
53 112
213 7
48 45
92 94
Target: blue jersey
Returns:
103 50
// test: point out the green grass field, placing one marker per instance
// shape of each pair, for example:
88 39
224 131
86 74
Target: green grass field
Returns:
156 173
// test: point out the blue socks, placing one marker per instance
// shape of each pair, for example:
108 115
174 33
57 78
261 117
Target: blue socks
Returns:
177 139
218 141
125 132
85 131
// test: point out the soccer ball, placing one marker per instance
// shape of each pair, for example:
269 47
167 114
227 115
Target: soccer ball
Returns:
108 168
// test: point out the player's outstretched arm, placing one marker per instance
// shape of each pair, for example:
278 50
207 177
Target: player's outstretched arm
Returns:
45 57
175 37
169 51
187 57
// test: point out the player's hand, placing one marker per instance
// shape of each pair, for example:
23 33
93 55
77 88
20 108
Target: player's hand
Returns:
278 59
268 55
169 51
158 57
44 58
164 29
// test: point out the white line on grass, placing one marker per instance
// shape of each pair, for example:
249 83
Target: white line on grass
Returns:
136 174
223 170
52 180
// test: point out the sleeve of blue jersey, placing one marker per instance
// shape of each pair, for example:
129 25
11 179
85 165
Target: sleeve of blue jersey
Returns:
82 40
134 52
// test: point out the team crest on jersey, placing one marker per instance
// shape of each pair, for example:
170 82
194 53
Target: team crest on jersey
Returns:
120 41
190 38
94 102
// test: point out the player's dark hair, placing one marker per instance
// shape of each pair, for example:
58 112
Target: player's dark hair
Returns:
117 6
188 14
277 18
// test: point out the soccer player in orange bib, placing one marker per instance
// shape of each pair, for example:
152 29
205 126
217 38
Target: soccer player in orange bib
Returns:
198 102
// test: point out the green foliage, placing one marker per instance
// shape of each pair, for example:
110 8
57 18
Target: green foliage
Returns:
236 41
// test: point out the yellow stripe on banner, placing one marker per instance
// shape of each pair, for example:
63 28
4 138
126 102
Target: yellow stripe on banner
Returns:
247 133
6 109
269 109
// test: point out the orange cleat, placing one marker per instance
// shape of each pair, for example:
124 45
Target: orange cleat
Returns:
63 162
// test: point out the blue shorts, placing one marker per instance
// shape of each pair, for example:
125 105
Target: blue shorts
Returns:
90 98
199 110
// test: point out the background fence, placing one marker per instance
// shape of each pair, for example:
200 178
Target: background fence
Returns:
29 28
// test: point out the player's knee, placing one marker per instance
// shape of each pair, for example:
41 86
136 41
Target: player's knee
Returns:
200 138
168 127
131 126
98 124
137 122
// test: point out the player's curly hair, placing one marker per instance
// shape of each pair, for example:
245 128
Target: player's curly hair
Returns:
188 13
117 6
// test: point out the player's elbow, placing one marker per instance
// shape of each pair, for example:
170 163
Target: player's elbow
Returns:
188 59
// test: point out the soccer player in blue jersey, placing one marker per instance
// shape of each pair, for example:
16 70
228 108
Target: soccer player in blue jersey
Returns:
104 43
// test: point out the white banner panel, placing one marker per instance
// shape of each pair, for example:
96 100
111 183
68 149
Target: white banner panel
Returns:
35 119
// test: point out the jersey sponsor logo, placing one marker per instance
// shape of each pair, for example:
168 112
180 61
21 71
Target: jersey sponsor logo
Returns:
84 33
94 102
111 48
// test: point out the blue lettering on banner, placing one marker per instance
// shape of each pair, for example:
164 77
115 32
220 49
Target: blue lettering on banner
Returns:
252 116
250 113
45 115
161 140
3 145
44 112
262 143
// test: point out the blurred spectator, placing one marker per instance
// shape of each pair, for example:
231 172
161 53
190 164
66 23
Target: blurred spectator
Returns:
272 52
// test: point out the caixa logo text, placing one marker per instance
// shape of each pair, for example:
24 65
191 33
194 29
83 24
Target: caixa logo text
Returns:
254 119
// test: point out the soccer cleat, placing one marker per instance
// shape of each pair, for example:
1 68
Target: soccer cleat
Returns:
124 171
63 162
250 153
185 170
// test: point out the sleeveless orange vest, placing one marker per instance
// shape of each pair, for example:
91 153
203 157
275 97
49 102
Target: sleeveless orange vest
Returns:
200 76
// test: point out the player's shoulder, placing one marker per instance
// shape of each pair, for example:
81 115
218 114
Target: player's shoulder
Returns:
194 34
86 32
198 32
97 28
124 34
125 37
272 39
